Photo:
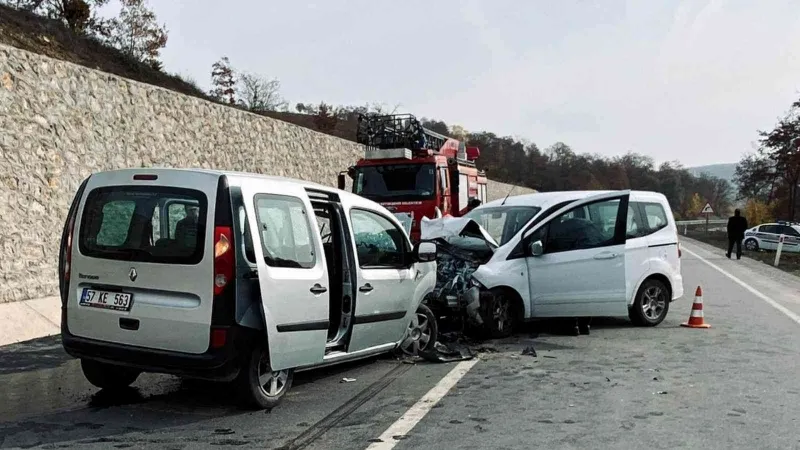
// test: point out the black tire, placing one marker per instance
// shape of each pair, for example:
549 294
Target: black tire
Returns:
421 334
651 305
500 312
108 376
751 245
258 392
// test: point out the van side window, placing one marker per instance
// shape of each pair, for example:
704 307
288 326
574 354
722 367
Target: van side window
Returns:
379 243
655 215
633 229
285 230
573 230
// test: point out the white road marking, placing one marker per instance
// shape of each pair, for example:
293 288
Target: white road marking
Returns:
415 414
752 290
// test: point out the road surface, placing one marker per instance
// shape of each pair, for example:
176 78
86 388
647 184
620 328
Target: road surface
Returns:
732 386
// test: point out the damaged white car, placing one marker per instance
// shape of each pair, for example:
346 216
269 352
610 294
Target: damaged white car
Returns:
576 254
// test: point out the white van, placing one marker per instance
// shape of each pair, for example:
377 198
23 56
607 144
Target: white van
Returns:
225 276
561 254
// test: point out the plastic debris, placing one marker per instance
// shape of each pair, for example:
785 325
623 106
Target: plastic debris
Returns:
529 351
347 380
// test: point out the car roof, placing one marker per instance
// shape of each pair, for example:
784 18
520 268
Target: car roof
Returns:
355 199
545 200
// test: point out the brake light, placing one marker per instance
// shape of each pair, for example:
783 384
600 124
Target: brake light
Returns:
223 258
68 249
145 177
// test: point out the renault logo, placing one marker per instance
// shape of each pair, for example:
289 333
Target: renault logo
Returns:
132 274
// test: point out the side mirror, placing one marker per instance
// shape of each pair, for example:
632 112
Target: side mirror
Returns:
351 172
426 252
473 203
340 181
536 248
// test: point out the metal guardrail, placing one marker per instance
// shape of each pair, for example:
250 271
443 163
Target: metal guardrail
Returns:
701 222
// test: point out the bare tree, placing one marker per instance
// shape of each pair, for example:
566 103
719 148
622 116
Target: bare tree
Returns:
136 32
259 94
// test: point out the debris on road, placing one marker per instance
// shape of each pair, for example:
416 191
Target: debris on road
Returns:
529 351
661 392
347 380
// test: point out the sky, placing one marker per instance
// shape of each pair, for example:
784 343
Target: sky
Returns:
690 80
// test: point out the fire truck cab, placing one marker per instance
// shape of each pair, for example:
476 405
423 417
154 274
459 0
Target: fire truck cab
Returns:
415 172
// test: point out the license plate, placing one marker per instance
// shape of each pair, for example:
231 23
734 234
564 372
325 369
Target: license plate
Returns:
117 301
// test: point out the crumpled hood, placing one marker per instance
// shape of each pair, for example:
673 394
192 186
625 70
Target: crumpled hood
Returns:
454 227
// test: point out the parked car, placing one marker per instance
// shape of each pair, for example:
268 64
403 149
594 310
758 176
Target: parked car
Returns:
767 235
229 276
558 254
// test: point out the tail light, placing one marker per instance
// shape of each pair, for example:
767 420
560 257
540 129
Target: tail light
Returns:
223 258
68 249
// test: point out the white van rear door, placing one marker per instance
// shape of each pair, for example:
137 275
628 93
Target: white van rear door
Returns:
292 273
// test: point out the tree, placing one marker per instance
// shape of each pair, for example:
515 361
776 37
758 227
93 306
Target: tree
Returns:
137 33
79 16
223 80
258 94
325 119
695 205
758 212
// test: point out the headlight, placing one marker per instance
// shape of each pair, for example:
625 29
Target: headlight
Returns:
472 282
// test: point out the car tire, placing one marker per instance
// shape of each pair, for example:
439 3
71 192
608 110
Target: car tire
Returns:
500 314
651 305
259 387
108 376
751 245
422 332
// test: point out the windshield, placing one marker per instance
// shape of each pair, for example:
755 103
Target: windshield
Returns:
503 222
396 182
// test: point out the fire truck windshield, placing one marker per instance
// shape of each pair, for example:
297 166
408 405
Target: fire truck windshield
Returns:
396 182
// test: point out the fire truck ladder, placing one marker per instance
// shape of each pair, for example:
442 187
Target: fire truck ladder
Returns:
396 131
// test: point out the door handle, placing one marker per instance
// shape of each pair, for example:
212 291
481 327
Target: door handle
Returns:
606 255
317 289
365 288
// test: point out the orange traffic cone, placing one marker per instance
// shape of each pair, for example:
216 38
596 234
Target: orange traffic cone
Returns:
696 317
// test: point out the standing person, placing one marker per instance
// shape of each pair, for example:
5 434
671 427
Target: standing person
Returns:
737 225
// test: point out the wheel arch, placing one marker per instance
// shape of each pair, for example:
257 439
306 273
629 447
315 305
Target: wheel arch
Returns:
652 276
521 305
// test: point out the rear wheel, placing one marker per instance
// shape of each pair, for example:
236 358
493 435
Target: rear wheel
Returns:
651 304
751 245
108 376
259 386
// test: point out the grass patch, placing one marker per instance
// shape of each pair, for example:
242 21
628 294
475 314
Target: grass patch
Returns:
790 262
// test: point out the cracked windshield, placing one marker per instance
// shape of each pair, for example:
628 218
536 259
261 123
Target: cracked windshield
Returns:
403 225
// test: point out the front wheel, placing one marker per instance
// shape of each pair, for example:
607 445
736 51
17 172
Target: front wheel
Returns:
500 314
260 386
651 304
422 332
751 245
108 376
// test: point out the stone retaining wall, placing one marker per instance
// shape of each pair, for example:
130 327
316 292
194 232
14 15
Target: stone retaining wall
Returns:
59 122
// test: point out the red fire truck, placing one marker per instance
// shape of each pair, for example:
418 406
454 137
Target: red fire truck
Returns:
413 171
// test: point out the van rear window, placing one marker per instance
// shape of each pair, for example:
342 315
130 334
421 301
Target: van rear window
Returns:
144 223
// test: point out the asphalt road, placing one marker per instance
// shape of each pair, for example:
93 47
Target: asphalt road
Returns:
732 386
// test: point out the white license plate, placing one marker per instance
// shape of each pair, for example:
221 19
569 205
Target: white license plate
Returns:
117 301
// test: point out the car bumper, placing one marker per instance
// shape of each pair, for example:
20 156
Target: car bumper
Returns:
677 287
220 364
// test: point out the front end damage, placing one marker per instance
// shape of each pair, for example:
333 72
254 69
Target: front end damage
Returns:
462 246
